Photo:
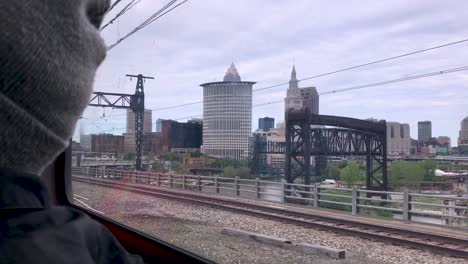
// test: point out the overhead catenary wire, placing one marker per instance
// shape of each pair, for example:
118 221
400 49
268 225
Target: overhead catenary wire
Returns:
386 82
142 25
334 71
124 10
161 12
352 88
116 2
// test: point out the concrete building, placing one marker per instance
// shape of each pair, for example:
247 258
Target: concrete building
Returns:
424 130
147 121
196 120
129 143
85 142
398 139
298 98
181 136
152 143
107 143
276 135
227 116
463 137
159 125
261 133
463 134
266 123
444 141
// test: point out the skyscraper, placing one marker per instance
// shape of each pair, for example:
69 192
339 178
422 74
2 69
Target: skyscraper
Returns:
227 116
147 121
463 135
398 139
424 130
266 123
159 125
298 98
85 142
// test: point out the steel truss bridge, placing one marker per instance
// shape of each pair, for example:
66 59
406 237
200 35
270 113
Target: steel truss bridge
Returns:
308 143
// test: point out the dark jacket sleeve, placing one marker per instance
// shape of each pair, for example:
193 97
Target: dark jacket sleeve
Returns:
108 249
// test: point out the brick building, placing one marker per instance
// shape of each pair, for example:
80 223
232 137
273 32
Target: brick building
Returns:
107 143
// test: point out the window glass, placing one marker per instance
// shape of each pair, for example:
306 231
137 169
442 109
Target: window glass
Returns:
174 147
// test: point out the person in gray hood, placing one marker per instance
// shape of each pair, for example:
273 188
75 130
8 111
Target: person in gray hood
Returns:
49 53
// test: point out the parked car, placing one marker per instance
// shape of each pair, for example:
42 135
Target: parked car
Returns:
329 181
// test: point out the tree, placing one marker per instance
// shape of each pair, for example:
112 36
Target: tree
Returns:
158 165
195 154
351 174
229 172
405 173
243 172
171 156
178 167
342 164
130 156
429 167
332 172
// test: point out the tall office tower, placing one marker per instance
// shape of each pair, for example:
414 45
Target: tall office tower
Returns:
298 98
147 121
227 116
424 130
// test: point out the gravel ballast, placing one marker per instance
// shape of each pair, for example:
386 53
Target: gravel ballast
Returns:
199 229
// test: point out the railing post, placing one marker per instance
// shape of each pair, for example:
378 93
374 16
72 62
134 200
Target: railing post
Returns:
283 190
406 206
354 201
159 179
170 180
183 182
316 195
257 188
236 186
148 178
199 187
216 184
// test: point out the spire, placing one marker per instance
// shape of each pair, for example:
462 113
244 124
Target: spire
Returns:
232 75
293 81
293 73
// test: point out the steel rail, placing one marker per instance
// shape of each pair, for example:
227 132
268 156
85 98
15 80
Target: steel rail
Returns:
446 245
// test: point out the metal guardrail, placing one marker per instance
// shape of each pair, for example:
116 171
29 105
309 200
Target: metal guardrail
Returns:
405 206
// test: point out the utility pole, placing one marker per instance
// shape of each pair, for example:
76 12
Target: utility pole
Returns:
134 102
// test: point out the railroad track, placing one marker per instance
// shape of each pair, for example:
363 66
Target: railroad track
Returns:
434 242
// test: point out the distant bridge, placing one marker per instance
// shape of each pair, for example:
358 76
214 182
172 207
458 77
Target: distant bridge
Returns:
437 158
104 162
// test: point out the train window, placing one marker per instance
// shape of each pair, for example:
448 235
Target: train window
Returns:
245 132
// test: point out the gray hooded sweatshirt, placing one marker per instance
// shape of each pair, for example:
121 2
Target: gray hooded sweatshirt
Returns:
49 54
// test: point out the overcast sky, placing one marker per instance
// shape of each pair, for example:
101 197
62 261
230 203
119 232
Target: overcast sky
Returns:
197 42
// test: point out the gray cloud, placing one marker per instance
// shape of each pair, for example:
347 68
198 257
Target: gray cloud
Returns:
196 43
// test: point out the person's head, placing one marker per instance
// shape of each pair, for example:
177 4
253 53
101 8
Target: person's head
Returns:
49 54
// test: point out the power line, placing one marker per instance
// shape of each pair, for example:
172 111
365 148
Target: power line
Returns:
114 5
375 84
335 71
409 78
371 63
121 13
161 12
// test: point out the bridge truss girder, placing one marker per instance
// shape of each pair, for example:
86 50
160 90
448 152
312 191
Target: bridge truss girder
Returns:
306 137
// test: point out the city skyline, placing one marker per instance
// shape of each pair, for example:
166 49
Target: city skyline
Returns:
365 35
